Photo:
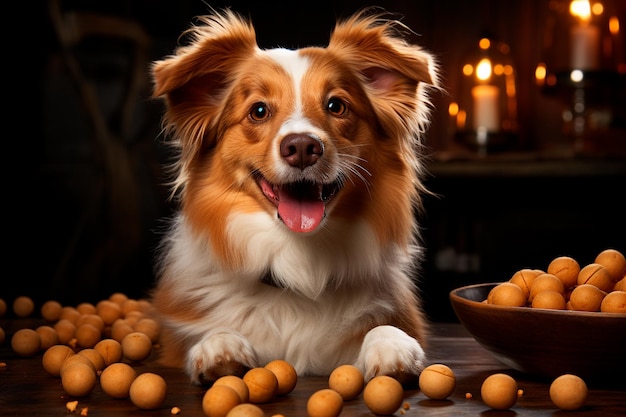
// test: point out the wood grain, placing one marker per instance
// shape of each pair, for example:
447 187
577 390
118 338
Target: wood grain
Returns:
27 390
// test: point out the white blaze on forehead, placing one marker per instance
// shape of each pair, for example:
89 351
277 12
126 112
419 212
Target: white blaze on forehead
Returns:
295 65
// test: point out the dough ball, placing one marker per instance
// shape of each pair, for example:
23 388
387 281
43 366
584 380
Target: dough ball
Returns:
383 395
499 391
148 391
324 403
437 381
219 400
347 380
568 392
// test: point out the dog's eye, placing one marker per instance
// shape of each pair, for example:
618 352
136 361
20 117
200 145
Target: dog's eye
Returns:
259 112
336 106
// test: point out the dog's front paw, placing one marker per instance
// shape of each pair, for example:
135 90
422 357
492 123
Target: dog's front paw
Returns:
387 350
221 352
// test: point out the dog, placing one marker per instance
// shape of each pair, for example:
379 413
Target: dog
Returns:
298 176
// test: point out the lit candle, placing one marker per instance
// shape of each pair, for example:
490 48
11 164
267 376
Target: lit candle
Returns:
584 37
486 109
585 41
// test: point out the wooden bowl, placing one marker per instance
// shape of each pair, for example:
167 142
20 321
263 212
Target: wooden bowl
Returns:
542 342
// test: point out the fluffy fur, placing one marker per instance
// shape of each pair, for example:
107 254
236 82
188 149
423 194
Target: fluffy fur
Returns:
298 177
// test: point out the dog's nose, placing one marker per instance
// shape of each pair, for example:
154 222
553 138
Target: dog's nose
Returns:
301 151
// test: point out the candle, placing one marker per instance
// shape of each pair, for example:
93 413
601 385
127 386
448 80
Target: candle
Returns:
585 39
486 109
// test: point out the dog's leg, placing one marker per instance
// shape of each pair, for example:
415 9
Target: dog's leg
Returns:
219 352
387 350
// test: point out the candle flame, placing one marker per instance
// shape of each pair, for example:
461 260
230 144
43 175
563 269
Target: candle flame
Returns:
576 75
580 9
453 109
540 72
484 43
483 69
614 25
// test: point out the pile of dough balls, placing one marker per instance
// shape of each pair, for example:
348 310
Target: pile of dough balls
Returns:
92 343
382 394
564 285
233 396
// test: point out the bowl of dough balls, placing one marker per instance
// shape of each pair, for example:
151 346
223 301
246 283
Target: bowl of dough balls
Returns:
567 317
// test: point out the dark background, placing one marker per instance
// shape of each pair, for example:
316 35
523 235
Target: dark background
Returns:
84 202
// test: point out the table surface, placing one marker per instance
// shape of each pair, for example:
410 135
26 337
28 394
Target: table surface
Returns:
27 390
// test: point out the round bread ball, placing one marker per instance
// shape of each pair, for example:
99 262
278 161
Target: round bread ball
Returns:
3 336
26 342
120 329
109 311
130 305
54 357
245 410
566 269
499 391
65 330
149 327
262 385
51 310
546 282
219 400
549 299
437 381
78 379
383 395
48 336
586 297
86 308
116 379
236 384
524 278
614 302
69 313
148 391
3 307
347 380
136 346
118 298
71 360
597 275
110 349
324 403
286 375
568 392
23 306
507 294
94 357
614 261
87 335
93 319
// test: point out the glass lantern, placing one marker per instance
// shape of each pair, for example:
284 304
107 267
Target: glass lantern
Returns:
485 115
583 64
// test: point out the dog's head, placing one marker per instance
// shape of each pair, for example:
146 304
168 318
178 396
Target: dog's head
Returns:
302 135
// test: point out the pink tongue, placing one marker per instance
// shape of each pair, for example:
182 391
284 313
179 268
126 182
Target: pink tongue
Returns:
300 215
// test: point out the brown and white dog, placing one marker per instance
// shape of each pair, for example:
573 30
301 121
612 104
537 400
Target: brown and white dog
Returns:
298 178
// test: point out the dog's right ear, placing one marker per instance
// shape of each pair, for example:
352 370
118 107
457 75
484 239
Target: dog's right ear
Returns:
195 80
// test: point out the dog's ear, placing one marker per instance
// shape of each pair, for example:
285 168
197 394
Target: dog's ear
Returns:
196 78
396 74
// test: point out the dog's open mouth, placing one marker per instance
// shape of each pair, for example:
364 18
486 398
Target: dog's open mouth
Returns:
301 205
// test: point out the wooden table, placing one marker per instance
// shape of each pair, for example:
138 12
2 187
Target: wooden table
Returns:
27 390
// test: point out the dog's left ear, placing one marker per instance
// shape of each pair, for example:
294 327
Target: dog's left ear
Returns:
396 74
